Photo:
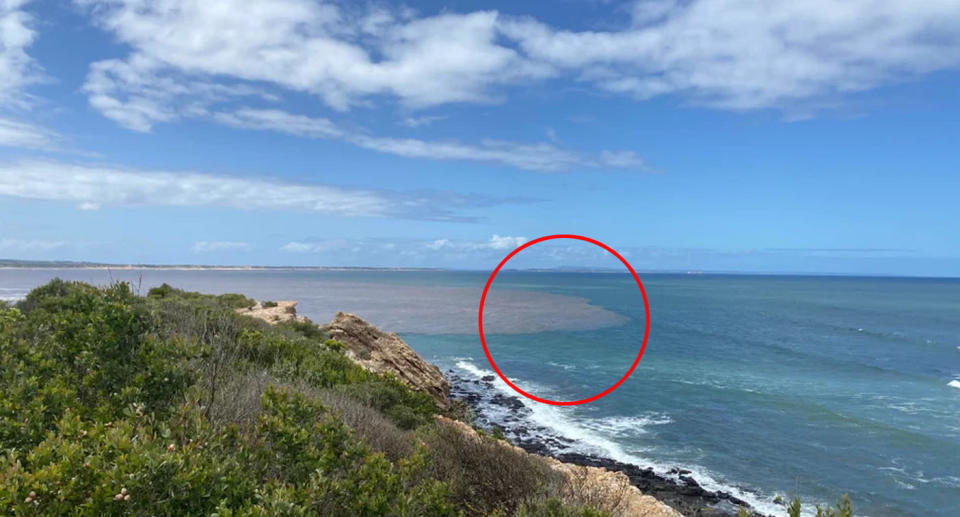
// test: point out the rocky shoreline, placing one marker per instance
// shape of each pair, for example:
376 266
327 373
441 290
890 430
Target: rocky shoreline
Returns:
677 489
386 352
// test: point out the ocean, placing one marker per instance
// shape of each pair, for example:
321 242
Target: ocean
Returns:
759 385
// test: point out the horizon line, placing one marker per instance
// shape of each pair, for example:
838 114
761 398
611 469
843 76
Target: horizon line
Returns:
71 264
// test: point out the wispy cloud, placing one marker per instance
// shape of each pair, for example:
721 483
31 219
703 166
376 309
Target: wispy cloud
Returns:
838 250
741 55
496 242
14 133
17 68
537 157
423 248
92 186
425 120
319 246
219 246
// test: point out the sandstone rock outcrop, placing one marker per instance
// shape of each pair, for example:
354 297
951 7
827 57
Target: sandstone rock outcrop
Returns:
282 311
599 487
384 352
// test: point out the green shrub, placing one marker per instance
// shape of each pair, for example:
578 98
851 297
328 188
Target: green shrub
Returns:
484 474
334 345
87 349
370 425
268 305
231 300
236 301
305 328
408 409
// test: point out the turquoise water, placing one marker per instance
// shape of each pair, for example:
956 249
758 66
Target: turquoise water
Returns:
761 385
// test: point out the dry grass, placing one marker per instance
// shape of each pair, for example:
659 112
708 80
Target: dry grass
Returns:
581 489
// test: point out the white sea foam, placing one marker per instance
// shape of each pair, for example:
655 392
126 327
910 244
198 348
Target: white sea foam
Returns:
596 437
626 425
954 384
563 366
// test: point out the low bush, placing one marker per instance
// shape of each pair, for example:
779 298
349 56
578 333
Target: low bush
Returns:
232 300
305 328
484 474
268 305
405 407
370 425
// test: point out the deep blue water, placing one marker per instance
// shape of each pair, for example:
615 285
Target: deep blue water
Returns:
768 385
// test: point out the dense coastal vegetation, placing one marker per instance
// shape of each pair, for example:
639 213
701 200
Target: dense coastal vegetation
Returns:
172 403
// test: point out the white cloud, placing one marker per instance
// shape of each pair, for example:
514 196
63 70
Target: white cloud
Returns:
138 93
281 121
112 186
496 242
317 246
218 246
425 120
748 54
502 243
439 244
728 54
180 46
30 245
91 186
14 133
308 46
17 69
537 157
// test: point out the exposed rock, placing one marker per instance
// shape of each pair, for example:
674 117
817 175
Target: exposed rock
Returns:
282 311
586 483
384 352
675 488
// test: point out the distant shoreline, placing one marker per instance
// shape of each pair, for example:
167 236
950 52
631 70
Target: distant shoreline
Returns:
134 267
8 264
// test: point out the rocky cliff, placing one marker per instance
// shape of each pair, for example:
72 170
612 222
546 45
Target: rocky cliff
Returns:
384 352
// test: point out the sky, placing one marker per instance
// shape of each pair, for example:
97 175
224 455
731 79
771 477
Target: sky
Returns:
706 135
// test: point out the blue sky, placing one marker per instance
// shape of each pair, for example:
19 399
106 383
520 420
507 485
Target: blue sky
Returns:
732 135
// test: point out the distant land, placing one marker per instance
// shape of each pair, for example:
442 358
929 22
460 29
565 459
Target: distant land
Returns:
70 264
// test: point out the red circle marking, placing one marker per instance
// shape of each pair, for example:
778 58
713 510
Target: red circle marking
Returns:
646 331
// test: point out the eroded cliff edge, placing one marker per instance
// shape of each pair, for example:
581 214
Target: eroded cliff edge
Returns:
384 352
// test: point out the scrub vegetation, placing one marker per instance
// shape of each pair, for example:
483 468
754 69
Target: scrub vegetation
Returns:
173 404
